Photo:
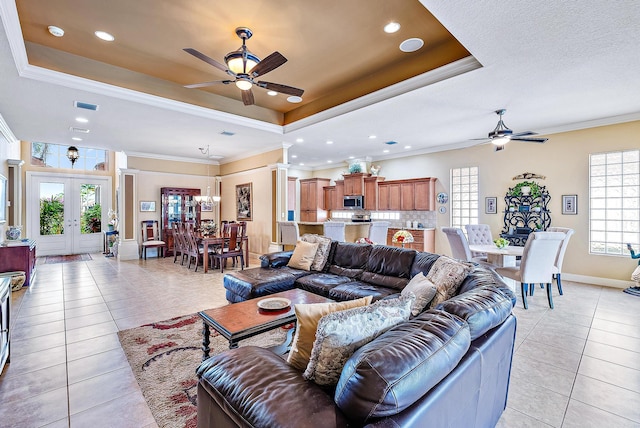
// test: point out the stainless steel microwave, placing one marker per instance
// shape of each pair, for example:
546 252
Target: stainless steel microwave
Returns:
353 202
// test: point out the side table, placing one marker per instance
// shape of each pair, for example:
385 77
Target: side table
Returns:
108 236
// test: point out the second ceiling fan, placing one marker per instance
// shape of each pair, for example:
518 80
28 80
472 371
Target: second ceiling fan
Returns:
243 66
501 135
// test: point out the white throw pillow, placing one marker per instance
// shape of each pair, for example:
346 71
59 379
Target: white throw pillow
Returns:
303 255
423 289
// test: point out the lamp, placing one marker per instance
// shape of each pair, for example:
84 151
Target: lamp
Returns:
72 154
208 199
403 237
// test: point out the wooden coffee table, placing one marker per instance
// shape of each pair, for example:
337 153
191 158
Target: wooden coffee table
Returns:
239 321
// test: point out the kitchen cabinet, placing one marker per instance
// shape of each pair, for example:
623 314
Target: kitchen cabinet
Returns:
19 258
389 196
407 195
312 199
178 206
330 198
354 184
371 192
423 239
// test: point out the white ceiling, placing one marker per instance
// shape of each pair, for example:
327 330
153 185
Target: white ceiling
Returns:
554 66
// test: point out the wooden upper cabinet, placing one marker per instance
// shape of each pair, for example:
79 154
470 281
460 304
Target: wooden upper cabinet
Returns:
407 195
330 198
407 190
389 196
339 195
312 199
371 192
354 183
425 195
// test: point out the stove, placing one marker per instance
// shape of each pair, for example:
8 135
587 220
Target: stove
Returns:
361 218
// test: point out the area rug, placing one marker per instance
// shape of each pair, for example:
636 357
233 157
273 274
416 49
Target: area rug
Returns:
68 259
164 357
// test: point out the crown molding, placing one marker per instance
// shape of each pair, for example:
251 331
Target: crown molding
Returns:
6 131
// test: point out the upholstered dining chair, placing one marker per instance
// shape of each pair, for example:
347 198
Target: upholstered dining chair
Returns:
479 234
288 233
334 230
458 243
537 263
557 268
151 238
232 249
378 232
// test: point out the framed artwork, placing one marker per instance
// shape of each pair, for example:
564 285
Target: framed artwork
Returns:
206 207
244 209
569 204
491 205
148 206
3 199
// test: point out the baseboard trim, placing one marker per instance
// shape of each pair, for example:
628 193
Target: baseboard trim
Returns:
604 282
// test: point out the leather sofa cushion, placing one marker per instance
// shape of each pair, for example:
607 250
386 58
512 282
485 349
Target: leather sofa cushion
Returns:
483 308
357 289
275 260
257 282
422 263
320 283
351 256
386 376
258 388
390 261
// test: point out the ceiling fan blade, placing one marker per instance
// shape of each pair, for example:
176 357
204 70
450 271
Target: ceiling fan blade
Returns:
268 64
247 97
283 89
524 134
206 59
530 140
203 84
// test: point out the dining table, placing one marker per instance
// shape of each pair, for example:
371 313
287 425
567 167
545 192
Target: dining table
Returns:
219 240
500 257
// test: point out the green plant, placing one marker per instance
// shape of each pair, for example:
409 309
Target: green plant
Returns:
535 189
52 215
355 168
91 220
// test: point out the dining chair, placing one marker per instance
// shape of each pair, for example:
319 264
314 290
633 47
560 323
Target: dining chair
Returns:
557 268
288 233
151 238
479 234
537 263
231 249
178 242
458 243
334 230
378 232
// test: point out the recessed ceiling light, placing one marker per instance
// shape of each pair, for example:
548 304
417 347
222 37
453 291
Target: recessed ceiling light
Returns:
55 31
372 137
301 164
82 120
351 157
294 156
272 93
76 138
329 142
385 151
294 99
104 36
391 27
407 147
329 161
411 45
299 140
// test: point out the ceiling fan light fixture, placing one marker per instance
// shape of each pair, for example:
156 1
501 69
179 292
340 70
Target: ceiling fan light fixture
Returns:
241 61
500 141
244 84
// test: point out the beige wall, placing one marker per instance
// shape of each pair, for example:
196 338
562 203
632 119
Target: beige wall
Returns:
564 160
253 162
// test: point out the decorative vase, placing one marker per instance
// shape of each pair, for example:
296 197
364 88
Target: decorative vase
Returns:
13 233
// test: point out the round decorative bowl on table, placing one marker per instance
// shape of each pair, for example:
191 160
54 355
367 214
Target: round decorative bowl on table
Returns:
18 279
501 243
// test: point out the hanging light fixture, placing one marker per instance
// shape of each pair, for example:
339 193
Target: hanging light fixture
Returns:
72 154
241 61
208 199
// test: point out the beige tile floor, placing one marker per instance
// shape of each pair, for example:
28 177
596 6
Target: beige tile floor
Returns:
575 366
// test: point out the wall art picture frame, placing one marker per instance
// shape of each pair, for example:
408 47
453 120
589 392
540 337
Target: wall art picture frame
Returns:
206 207
491 205
569 204
148 206
244 203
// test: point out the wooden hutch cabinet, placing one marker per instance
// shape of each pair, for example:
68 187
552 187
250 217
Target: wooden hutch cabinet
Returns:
178 206
19 258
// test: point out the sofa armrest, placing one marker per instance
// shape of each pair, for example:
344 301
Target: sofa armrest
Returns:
275 260
256 387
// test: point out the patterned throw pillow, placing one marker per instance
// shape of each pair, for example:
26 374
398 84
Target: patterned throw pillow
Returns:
322 254
447 274
307 318
423 289
303 255
340 334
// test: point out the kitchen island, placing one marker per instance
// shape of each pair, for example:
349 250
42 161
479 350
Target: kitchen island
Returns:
352 232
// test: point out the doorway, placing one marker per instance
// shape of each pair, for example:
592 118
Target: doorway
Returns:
66 214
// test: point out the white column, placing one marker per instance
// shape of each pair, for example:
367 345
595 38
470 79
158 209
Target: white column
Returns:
128 228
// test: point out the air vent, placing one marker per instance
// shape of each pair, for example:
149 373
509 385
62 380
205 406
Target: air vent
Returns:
227 133
390 143
83 130
86 106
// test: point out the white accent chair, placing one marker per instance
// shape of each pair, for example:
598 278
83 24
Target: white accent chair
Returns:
479 234
378 232
334 230
557 268
288 233
537 263
459 244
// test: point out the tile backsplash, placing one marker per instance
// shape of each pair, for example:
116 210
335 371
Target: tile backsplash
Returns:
427 218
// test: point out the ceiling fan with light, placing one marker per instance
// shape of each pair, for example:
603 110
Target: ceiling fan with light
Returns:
243 66
501 135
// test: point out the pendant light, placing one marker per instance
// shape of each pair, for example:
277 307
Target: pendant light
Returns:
208 199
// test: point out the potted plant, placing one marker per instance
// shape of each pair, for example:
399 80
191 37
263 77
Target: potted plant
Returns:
527 188
512 208
537 208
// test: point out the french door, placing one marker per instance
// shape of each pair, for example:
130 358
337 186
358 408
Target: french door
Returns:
66 214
